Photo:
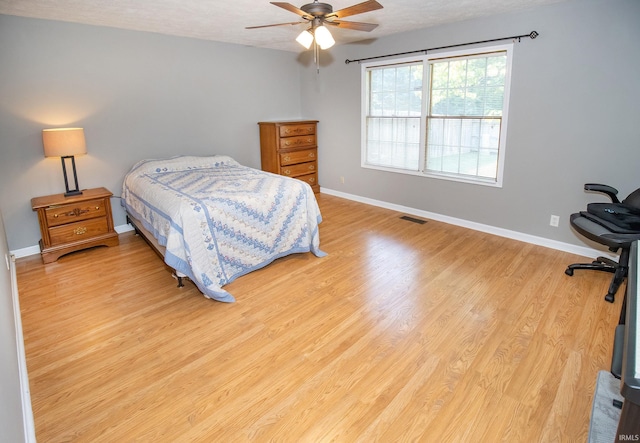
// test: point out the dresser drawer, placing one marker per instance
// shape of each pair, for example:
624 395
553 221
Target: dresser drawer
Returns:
62 214
293 130
312 179
295 142
299 169
78 231
293 157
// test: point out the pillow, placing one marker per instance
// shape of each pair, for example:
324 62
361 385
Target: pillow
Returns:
182 163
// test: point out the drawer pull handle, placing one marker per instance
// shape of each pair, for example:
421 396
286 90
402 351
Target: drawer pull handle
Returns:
287 171
312 179
312 167
287 158
75 213
80 231
312 155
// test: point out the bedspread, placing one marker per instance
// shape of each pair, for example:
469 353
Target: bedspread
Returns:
218 219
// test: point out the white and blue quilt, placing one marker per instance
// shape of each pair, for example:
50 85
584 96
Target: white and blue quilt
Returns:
219 220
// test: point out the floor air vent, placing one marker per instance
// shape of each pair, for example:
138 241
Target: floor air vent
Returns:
414 220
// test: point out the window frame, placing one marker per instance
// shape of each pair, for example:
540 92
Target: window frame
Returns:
427 60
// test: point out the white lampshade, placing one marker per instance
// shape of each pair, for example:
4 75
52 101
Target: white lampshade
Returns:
305 39
63 142
324 37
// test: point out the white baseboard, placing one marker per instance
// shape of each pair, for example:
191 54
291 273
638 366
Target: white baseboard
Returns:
29 428
540 241
25 252
35 250
123 228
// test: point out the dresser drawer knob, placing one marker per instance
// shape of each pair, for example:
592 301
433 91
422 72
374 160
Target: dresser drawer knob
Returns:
312 155
80 231
312 179
287 158
55 215
312 167
287 171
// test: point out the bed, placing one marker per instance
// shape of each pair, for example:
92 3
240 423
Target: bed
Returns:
215 220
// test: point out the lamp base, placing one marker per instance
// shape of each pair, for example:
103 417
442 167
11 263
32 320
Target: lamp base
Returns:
76 190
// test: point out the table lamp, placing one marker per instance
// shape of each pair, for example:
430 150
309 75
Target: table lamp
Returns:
65 143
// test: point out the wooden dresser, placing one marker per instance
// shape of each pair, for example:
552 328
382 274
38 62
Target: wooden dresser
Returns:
290 148
69 224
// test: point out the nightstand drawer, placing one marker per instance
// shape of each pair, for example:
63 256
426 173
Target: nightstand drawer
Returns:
294 157
301 169
78 231
63 214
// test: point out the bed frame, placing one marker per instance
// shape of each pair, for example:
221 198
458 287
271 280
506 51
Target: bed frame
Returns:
153 242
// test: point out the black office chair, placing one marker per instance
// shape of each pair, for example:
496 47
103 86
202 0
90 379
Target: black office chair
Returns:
615 225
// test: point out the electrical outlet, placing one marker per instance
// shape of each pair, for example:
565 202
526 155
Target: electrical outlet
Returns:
554 221
342 180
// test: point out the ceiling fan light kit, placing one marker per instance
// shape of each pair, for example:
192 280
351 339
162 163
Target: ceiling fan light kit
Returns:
320 14
305 39
324 37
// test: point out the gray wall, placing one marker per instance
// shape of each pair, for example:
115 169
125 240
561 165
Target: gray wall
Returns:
138 95
12 421
573 117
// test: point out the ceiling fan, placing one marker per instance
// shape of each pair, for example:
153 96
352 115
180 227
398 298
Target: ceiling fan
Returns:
319 14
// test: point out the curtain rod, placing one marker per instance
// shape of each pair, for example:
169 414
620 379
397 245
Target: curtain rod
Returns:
531 35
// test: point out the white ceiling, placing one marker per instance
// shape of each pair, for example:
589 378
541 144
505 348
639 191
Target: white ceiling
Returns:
225 20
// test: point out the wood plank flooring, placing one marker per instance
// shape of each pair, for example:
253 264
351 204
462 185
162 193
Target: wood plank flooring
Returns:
403 332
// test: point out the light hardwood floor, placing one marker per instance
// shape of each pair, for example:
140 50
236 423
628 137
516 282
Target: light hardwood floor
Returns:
403 332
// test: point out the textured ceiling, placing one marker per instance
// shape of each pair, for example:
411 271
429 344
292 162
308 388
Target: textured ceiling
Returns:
225 20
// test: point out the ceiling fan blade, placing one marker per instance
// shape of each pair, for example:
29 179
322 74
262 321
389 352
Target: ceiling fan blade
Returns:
356 26
289 7
360 8
277 24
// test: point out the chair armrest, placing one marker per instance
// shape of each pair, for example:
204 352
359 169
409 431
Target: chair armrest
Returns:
605 189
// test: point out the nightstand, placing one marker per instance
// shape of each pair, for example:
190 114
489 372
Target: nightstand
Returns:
69 224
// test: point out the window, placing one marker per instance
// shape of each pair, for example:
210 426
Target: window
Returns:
440 115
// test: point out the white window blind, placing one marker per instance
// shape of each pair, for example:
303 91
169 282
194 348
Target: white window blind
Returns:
441 116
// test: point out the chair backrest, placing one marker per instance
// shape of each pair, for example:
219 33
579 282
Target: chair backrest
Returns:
633 199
